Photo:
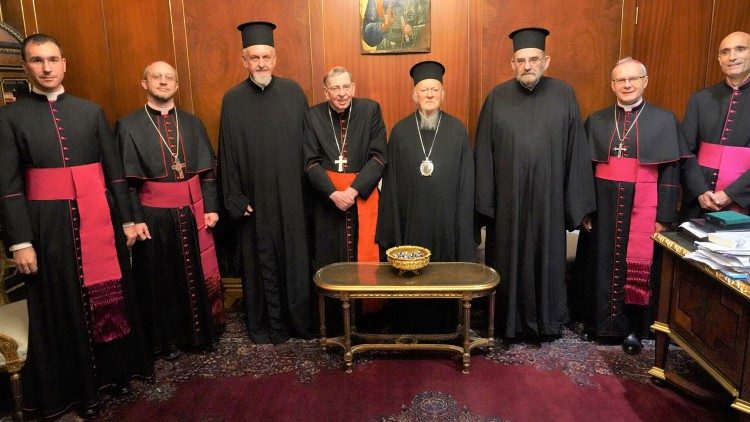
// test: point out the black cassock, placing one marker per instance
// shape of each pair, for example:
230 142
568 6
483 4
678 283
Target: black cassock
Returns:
173 296
364 150
64 365
600 269
261 165
437 211
534 180
716 115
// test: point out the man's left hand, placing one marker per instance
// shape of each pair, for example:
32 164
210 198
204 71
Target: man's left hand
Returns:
130 235
659 227
722 199
210 219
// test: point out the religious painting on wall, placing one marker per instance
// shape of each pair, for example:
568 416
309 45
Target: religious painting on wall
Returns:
395 26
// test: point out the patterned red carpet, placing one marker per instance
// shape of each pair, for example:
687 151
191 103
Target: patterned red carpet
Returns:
565 380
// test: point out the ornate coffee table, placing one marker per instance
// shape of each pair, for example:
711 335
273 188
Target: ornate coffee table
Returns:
462 281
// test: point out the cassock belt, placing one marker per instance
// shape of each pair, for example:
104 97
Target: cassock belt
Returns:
730 162
639 255
367 218
189 194
100 267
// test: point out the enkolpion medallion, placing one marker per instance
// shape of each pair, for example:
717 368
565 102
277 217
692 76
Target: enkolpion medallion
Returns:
426 167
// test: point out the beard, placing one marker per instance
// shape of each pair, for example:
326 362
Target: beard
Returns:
429 122
263 81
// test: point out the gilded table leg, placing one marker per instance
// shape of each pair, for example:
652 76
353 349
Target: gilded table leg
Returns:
491 325
15 384
346 308
661 352
322 316
466 312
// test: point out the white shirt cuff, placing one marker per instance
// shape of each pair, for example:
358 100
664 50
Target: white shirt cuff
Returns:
19 246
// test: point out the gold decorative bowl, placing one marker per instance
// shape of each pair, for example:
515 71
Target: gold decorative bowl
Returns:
408 257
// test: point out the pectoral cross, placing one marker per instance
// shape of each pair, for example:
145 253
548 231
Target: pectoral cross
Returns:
620 149
341 161
178 167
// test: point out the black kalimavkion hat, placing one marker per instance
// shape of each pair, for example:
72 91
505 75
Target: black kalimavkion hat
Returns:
255 33
528 38
427 70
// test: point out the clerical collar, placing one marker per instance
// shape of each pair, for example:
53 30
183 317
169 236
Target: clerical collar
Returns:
744 84
51 96
630 107
343 113
530 89
163 110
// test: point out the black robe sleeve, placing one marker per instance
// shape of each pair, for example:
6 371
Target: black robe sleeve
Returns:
14 213
484 166
369 175
466 238
132 168
113 168
388 232
313 154
234 200
668 191
579 179
693 182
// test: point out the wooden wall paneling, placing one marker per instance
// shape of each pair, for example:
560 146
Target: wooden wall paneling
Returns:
671 39
28 11
181 54
79 27
584 43
385 77
728 16
136 37
627 27
215 46
475 67
12 13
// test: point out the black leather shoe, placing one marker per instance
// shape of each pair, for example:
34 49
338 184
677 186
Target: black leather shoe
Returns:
279 337
172 352
588 336
631 345
88 412
121 389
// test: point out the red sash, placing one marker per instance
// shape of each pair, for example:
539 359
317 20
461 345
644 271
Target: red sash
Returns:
100 267
731 162
189 194
367 218
639 256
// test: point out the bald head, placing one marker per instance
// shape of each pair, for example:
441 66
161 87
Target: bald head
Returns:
734 57
160 83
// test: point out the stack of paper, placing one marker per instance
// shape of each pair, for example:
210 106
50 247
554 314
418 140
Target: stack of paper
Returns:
728 252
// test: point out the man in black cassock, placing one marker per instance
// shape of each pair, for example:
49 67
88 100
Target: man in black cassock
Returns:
59 173
170 168
428 188
635 150
717 132
344 153
534 180
261 163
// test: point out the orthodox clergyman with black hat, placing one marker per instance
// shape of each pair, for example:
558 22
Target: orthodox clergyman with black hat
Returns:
261 163
428 185
534 181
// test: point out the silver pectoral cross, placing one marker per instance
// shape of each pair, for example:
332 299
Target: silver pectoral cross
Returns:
340 162
620 149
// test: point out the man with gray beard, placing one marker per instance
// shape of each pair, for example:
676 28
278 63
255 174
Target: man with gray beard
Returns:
260 163
428 185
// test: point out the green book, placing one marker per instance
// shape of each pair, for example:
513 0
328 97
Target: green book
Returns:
728 220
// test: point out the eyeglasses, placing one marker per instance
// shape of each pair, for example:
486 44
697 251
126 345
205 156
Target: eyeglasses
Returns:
531 60
433 91
337 89
167 76
257 59
631 80
40 61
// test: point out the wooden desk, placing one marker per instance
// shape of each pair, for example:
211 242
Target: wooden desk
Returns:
707 314
463 281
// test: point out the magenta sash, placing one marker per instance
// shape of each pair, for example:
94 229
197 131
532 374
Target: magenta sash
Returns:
189 194
639 255
731 162
100 267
